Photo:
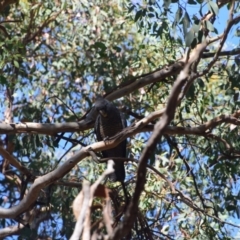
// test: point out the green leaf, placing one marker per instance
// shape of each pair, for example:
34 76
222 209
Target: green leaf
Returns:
138 15
209 26
16 64
3 80
192 2
186 20
186 23
237 32
194 43
100 45
195 27
191 92
166 3
151 15
130 9
189 38
238 212
236 97
213 7
178 15
200 82
230 207
200 36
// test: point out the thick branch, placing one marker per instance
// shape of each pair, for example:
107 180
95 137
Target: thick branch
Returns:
56 174
147 79
45 128
235 51
174 99
131 213
140 126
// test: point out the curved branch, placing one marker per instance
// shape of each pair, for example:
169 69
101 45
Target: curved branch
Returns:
7 231
131 213
231 21
235 51
146 79
44 181
14 162
58 173
140 126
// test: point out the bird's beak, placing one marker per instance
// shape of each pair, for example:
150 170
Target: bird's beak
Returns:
103 113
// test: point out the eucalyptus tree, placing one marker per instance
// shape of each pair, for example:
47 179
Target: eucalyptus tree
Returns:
171 67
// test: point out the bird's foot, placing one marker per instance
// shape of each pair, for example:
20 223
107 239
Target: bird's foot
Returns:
93 155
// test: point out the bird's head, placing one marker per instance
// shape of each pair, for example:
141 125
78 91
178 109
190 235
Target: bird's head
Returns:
101 105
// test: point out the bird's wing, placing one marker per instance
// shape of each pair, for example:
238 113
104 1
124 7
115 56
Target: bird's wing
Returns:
123 143
97 128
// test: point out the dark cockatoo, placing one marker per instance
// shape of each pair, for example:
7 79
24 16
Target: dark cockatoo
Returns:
108 123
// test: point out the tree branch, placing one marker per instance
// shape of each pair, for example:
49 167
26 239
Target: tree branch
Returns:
147 79
235 51
14 162
7 231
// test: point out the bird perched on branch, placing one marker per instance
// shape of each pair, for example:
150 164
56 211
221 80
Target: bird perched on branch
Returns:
108 123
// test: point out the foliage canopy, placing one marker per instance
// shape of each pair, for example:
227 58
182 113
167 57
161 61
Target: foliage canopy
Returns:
172 67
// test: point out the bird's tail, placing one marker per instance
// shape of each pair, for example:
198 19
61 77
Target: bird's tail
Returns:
119 172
